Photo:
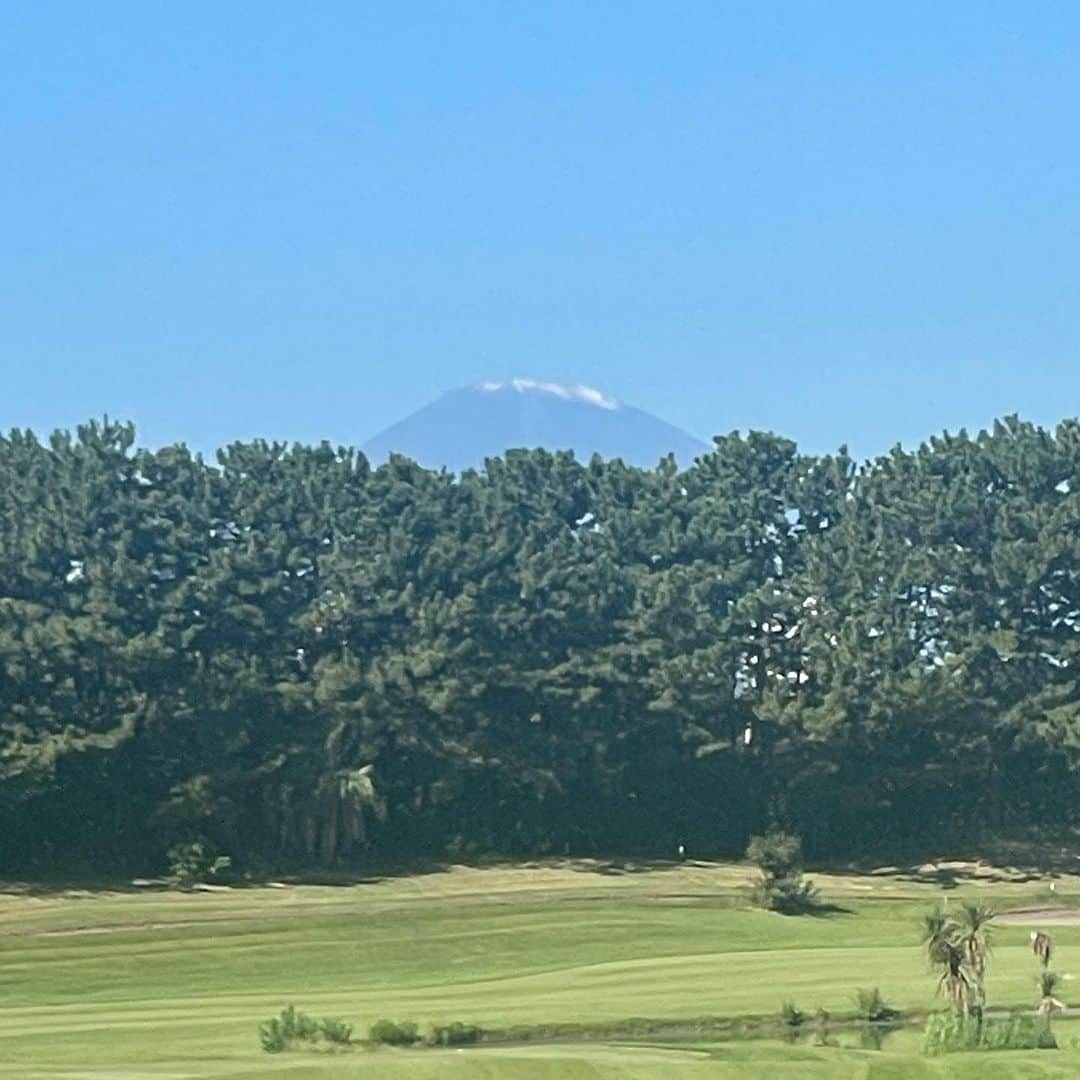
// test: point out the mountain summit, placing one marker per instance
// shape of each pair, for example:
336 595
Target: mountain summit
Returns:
464 426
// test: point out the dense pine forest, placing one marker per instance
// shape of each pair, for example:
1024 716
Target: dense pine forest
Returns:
303 661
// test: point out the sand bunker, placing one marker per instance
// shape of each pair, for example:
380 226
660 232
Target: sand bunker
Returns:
1041 917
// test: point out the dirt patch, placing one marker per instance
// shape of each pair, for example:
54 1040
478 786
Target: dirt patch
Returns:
1041 917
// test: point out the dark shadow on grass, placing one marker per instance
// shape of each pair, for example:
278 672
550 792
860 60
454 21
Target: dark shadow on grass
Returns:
815 909
1014 860
375 872
825 909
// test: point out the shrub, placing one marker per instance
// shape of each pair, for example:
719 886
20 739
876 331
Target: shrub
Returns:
392 1034
192 861
781 887
776 854
870 1005
1018 1032
272 1037
293 1028
336 1031
283 1032
455 1034
949 1033
791 1015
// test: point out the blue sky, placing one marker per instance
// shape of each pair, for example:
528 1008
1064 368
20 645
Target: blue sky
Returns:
848 223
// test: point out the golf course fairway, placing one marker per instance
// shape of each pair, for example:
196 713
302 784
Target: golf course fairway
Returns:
121 984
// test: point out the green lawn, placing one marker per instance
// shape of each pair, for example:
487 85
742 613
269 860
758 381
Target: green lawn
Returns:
143 984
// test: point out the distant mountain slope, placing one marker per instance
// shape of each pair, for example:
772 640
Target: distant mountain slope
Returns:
463 427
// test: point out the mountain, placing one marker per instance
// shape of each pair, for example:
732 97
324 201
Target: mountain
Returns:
464 426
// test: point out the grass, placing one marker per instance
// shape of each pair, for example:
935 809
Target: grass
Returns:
111 985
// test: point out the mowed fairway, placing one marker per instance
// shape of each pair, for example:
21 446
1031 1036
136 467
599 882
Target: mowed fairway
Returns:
143 984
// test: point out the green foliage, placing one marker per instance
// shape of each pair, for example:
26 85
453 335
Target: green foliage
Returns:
1018 1032
191 862
791 1015
288 1030
781 887
391 1033
307 662
958 947
294 1029
453 1034
1049 981
948 1033
336 1031
272 1037
777 854
869 1005
951 1032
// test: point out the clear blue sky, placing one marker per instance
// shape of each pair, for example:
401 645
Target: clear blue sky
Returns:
848 222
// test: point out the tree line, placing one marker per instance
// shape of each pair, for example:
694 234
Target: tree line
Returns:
302 660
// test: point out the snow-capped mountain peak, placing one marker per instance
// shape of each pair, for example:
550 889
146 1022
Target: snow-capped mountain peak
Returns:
465 427
567 391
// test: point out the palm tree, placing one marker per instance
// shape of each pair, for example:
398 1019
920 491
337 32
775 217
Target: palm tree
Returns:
973 938
343 799
941 936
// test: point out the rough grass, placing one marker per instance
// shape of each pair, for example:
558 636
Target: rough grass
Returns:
141 984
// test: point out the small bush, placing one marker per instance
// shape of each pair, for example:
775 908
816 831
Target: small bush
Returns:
455 1034
791 1015
272 1037
776 854
283 1032
390 1033
193 861
336 1031
869 1005
782 887
294 1028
